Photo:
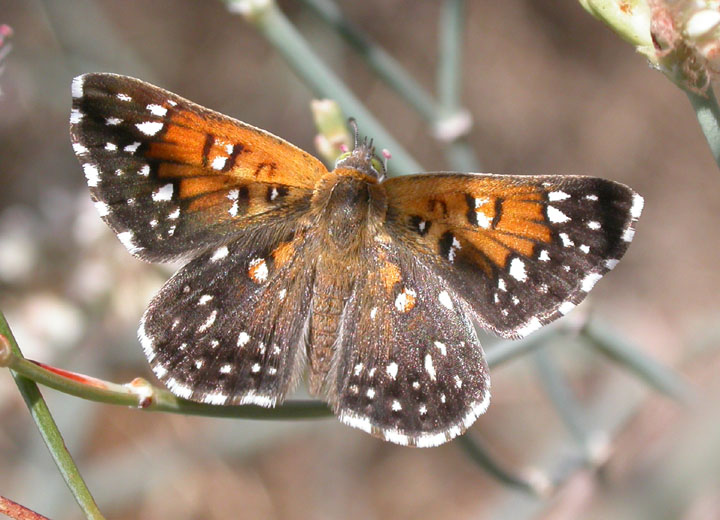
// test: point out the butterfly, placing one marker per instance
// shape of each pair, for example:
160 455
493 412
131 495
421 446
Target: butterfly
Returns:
369 285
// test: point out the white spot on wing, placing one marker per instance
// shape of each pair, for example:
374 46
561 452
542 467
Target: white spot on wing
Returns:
590 280
220 252
392 370
208 322
79 149
566 307
113 121
157 110
219 162
77 87
145 170
216 398
204 299
554 196
637 206
441 347
396 406
175 214
124 97
628 235
517 270
258 270
226 369
163 194
92 174
455 246
405 301
530 327
584 248
591 197
127 237
145 341
611 263
566 240
132 148
150 127
544 256
243 339
445 300
102 208
179 389
75 116
556 216
255 368
594 225
429 367
110 147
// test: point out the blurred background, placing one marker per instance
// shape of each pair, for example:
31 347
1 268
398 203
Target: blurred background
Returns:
551 91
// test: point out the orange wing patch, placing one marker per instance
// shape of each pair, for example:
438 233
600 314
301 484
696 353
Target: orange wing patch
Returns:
200 142
483 218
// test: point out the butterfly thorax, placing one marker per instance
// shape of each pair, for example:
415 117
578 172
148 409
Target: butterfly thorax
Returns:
349 209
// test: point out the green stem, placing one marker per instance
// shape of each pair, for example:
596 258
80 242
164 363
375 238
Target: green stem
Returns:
458 152
481 456
508 350
140 394
382 63
622 352
449 73
708 115
567 406
49 430
278 30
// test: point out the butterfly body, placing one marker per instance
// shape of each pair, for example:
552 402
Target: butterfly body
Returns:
371 283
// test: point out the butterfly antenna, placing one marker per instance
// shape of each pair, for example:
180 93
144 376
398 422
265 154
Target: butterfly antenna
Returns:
356 132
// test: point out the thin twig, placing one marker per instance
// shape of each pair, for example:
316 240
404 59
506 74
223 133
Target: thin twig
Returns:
283 35
626 355
708 115
48 428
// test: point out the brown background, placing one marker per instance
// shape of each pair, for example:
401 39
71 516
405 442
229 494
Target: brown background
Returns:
551 90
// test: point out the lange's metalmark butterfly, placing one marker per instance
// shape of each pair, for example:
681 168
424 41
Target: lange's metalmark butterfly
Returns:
372 282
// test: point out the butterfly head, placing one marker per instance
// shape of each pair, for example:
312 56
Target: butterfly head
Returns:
362 157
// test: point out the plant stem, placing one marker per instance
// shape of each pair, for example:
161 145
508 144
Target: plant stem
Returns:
622 352
567 406
49 430
708 115
383 64
140 394
458 153
481 456
278 30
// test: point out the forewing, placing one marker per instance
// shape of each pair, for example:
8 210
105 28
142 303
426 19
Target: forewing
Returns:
171 177
228 328
408 365
520 250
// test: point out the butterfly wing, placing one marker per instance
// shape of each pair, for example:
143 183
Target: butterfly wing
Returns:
229 327
520 250
171 177
408 366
